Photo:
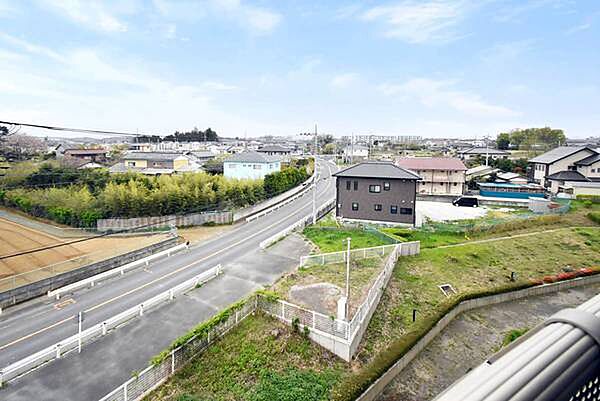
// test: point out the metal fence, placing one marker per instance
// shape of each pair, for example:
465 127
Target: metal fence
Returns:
289 313
339 257
192 219
154 375
59 349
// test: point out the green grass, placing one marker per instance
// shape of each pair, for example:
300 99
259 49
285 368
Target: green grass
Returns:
513 335
362 273
251 363
333 240
470 269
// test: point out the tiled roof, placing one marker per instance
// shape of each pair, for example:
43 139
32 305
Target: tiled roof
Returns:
483 151
377 170
588 161
568 175
274 148
558 153
252 156
431 163
86 151
151 156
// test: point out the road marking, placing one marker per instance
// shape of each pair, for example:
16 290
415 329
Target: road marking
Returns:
64 303
159 278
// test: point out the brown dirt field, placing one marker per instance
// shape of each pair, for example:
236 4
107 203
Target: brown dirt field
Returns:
15 237
199 234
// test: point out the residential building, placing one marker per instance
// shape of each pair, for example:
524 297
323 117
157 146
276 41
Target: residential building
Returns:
563 158
379 192
490 153
439 175
512 178
481 172
356 153
562 180
581 188
95 155
155 163
250 165
275 150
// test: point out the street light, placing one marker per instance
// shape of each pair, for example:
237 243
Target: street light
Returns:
314 197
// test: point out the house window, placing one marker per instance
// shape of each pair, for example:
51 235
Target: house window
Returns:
348 184
232 165
375 188
356 185
354 205
386 186
130 164
441 183
405 210
257 167
394 209
378 208
455 184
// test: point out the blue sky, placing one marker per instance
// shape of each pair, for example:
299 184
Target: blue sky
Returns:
431 68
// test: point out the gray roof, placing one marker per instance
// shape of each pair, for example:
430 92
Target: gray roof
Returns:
151 156
588 161
251 156
568 175
483 151
378 170
274 148
558 153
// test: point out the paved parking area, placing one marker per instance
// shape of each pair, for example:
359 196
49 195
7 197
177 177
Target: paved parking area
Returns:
442 211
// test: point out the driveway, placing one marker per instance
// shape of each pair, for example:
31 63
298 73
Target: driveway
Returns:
443 211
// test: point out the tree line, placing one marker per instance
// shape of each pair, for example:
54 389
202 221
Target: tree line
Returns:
195 135
531 138
80 197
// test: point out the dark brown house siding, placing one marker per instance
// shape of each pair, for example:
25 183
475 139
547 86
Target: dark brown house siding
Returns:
400 197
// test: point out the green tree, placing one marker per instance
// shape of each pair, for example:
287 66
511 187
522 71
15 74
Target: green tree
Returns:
503 141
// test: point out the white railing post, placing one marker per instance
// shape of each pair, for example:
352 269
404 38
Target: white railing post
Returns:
141 309
1 379
236 317
125 391
314 319
171 296
103 328
57 351
172 361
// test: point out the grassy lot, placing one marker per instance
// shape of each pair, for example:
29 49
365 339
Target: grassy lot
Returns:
495 224
333 240
362 274
260 360
470 269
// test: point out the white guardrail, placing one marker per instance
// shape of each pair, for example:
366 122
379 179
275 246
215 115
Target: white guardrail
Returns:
299 224
59 349
113 272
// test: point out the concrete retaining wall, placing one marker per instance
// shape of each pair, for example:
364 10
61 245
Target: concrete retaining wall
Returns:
377 388
193 219
38 288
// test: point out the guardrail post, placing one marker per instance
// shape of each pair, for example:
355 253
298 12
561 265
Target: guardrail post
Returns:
172 361
141 309
1 379
125 391
57 351
103 328
171 295
236 316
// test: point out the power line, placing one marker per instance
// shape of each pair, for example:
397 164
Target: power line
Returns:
80 130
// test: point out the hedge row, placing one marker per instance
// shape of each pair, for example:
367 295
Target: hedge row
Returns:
593 198
594 216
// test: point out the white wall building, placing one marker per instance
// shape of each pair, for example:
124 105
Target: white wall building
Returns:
250 165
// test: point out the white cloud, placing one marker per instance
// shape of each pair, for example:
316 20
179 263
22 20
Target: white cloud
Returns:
31 47
501 54
514 12
435 93
90 13
419 21
579 28
344 80
219 86
257 20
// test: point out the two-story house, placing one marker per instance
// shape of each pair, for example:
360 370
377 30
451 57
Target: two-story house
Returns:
490 153
378 192
564 158
275 150
439 175
251 165
94 155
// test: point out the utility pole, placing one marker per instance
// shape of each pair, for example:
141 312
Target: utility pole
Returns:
314 203
352 149
347 277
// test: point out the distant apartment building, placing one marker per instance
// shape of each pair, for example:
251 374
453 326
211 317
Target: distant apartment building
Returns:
490 153
275 150
439 175
250 165
378 192
356 153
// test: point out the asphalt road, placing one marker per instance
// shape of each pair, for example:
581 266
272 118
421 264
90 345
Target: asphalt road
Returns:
27 329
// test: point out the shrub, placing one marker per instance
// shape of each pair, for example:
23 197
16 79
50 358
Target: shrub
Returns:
591 198
588 204
594 216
